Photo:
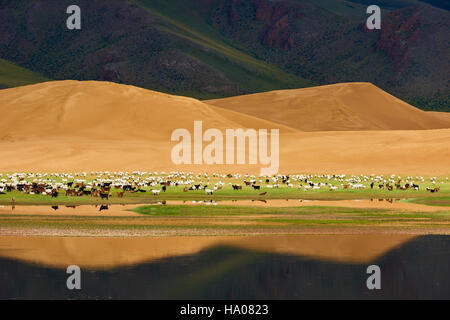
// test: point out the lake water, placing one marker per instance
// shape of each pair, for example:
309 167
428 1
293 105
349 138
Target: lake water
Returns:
125 209
272 267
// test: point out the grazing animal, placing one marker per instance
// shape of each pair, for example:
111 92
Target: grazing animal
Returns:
156 192
104 196
256 187
95 193
103 207
433 190
263 194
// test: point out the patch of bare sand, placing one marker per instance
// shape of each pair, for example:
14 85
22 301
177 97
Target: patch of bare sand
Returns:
362 204
380 152
115 252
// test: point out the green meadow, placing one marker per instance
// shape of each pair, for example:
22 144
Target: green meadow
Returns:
421 196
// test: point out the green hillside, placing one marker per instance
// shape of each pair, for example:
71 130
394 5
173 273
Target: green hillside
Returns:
190 21
12 75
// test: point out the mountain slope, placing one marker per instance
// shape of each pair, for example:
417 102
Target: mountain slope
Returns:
348 106
133 43
407 57
12 75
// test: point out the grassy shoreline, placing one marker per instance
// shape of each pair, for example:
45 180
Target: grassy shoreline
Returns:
413 196
198 220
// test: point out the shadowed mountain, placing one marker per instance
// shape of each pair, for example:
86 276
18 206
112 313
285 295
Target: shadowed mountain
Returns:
131 43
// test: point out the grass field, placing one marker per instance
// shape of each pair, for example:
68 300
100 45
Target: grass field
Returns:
227 193
176 193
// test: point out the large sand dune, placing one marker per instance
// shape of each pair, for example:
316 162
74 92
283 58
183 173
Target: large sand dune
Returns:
83 126
344 107
106 110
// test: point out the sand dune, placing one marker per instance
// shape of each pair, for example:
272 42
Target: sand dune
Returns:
105 110
440 115
343 107
82 126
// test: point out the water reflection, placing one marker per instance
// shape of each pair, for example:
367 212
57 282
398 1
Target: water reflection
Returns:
416 269
103 207
125 209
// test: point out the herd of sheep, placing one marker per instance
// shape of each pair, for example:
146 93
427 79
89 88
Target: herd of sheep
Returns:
102 184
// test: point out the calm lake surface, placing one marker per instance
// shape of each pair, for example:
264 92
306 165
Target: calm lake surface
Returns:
272 267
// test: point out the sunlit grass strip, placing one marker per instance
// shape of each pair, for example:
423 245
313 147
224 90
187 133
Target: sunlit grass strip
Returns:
12 75
202 210
431 201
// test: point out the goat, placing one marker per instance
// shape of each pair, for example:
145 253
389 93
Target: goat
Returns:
104 195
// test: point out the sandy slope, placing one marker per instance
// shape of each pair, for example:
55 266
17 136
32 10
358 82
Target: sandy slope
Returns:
440 115
77 126
105 110
346 106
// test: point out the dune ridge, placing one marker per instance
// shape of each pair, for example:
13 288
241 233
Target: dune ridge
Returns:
106 110
354 106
